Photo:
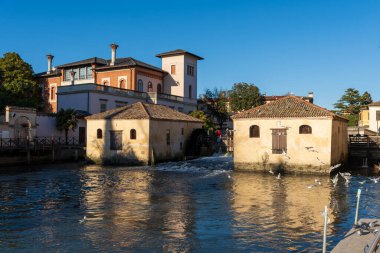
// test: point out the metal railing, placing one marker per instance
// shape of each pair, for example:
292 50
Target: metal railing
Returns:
38 142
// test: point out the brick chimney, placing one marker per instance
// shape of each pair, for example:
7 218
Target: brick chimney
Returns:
113 58
50 61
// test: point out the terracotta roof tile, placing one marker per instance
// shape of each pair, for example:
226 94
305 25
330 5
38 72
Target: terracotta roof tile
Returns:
287 107
375 104
144 111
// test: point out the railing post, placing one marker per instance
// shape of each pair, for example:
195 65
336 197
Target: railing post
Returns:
357 207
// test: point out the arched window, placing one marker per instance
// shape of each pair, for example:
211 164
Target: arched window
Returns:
52 93
305 129
254 132
150 87
133 134
106 83
140 85
122 84
159 89
99 133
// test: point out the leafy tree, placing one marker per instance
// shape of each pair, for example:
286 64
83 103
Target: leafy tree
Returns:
66 120
366 99
17 83
216 103
245 96
207 123
350 102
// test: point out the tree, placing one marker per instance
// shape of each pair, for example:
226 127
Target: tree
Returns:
350 102
245 96
216 102
17 83
66 120
207 123
365 99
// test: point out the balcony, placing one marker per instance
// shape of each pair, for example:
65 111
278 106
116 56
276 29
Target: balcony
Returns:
101 88
147 96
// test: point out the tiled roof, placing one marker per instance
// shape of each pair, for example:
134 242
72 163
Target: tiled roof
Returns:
287 107
105 64
128 62
54 72
144 111
178 52
84 62
375 104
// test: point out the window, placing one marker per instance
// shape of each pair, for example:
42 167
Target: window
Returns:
172 69
89 73
122 84
159 88
82 73
99 133
305 129
52 93
140 85
190 91
182 131
67 74
190 70
132 134
106 83
150 87
116 141
254 132
180 146
103 106
167 136
279 141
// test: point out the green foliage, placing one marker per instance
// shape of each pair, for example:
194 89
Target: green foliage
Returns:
207 123
245 96
216 103
66 120
353 120
17 83
351 101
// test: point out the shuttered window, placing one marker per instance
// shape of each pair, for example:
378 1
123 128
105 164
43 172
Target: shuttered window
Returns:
116 142
132 134
279 144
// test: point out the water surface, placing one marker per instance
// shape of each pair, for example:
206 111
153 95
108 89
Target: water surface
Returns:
197 206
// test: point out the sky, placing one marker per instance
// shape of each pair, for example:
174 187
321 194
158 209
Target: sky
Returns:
282 46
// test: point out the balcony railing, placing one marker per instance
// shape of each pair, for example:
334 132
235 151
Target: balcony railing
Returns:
123 92
101 88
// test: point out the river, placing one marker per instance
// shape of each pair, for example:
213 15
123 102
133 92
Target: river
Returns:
192 206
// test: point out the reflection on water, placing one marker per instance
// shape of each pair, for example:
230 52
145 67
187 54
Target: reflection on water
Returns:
199 205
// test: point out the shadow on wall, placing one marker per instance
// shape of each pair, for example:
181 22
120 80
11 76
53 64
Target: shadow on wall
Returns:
126 155
198 144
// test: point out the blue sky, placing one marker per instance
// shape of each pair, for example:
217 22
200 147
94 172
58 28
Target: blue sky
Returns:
281 46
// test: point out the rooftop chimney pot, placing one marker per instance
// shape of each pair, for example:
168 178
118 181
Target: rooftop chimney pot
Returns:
72 75
50 61
113 59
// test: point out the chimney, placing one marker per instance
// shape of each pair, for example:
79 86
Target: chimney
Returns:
113 47
50 61
72 75
310 94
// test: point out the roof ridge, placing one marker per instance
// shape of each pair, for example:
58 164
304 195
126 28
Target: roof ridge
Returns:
145 109
314 105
